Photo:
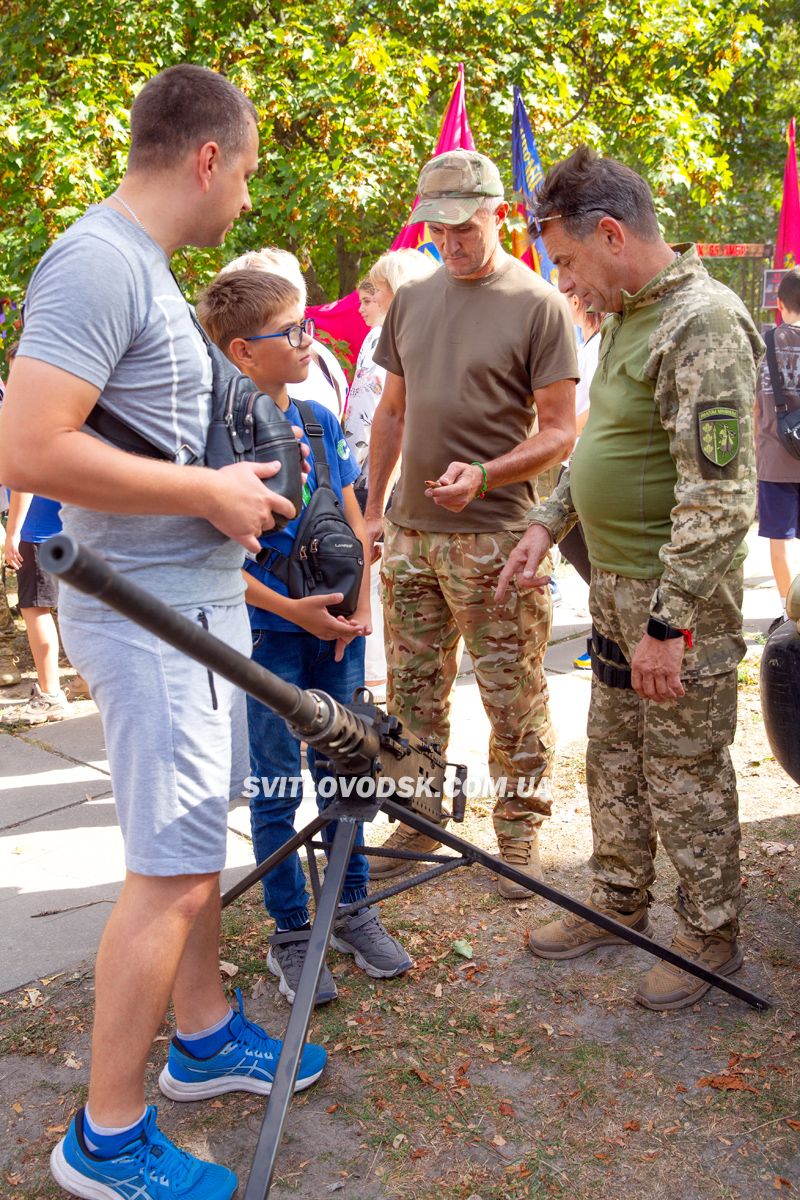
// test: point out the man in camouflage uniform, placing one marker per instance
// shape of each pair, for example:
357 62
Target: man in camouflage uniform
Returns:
475 354
662 481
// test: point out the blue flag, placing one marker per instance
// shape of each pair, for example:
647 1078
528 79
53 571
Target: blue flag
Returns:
528 174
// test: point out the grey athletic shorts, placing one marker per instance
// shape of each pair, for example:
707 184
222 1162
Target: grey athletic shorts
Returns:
176 737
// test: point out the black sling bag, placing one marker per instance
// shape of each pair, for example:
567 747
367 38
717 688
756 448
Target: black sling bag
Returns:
786 420
326 555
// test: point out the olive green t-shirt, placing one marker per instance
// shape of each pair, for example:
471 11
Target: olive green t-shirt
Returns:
622 474
472 352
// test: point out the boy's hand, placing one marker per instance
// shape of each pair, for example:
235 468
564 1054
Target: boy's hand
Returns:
241 506
362 619
311 613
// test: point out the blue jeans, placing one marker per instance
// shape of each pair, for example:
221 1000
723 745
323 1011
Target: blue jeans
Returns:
307 661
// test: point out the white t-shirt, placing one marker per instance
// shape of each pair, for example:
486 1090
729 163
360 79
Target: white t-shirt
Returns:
364 397
318 385
587 365
588 355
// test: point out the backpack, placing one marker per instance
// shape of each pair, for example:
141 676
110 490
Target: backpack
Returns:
326 555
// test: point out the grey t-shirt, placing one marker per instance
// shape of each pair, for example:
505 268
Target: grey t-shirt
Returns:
102 304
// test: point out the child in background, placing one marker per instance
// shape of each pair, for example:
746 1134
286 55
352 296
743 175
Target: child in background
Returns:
257 320
31 521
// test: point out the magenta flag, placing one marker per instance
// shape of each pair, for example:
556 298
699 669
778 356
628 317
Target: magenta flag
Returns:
341 320
455 134
787 246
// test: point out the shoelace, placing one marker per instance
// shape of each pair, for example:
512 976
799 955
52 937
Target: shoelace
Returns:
371 929
161 1160
253 1037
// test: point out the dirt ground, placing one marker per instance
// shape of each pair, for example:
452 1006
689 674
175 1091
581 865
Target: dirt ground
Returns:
495 1076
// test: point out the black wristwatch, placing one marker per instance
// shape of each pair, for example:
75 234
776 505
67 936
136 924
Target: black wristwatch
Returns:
664 632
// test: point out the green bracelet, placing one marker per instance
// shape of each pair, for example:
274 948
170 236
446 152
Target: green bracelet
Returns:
481 494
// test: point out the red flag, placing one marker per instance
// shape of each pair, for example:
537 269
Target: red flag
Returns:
787 246
455 134
341 320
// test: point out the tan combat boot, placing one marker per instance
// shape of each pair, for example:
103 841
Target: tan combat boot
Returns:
522 853
571 936
666 986
403 838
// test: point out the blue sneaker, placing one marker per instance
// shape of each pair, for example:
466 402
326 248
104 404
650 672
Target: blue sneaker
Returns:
149 1168
246 1063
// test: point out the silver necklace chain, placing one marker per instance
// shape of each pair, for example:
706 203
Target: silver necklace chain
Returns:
116 196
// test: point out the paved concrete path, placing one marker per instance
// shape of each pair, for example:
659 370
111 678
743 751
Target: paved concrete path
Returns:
61 859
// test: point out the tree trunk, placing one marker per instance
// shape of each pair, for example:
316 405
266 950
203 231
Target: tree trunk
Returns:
349 266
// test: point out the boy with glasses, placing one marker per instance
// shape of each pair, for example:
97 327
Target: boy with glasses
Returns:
257 320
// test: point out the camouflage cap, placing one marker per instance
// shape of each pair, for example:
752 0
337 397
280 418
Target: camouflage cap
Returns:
452 186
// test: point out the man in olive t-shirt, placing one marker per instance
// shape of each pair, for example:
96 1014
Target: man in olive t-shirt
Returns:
478 356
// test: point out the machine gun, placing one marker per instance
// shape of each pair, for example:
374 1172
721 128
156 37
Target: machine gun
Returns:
379 766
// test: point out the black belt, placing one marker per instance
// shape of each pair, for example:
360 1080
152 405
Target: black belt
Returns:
609 664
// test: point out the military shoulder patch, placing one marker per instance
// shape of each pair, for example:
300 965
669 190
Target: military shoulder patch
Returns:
719 433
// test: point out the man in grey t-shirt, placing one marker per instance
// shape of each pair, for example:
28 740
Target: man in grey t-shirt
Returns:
105 321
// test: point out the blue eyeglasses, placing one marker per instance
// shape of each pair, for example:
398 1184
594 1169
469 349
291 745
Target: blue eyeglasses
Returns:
294 334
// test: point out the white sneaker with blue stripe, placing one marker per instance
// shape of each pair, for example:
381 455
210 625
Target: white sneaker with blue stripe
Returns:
247 1063
148 1168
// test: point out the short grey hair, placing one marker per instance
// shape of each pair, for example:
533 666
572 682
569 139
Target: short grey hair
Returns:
490 204
584 187
276 262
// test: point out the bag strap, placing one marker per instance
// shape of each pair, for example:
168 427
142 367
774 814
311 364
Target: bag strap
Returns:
778 394
328 373
122 435
315 436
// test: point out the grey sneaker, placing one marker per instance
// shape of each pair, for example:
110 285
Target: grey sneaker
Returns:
40 708
375 950
286 958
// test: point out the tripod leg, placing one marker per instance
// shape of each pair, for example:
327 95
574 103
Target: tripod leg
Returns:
258 1184
474 854
294 843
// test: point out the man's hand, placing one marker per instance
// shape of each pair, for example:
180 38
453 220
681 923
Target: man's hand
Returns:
656 669
11 552
523 562
457 487
374 527
241 506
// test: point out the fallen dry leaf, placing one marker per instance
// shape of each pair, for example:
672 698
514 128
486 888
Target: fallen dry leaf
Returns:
331 1108
633 1126
229 969
792 1124
498 1140
779 1182
726 1083
506 1109
72 1062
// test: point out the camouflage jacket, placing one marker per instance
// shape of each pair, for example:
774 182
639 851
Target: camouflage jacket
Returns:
701 359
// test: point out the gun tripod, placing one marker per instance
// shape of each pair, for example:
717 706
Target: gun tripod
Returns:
362 743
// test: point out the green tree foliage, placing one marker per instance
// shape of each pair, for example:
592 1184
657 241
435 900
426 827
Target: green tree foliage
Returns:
350 94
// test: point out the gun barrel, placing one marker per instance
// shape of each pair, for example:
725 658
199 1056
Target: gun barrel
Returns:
342 735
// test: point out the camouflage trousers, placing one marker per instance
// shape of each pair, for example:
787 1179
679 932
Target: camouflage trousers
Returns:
664 770
438 588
